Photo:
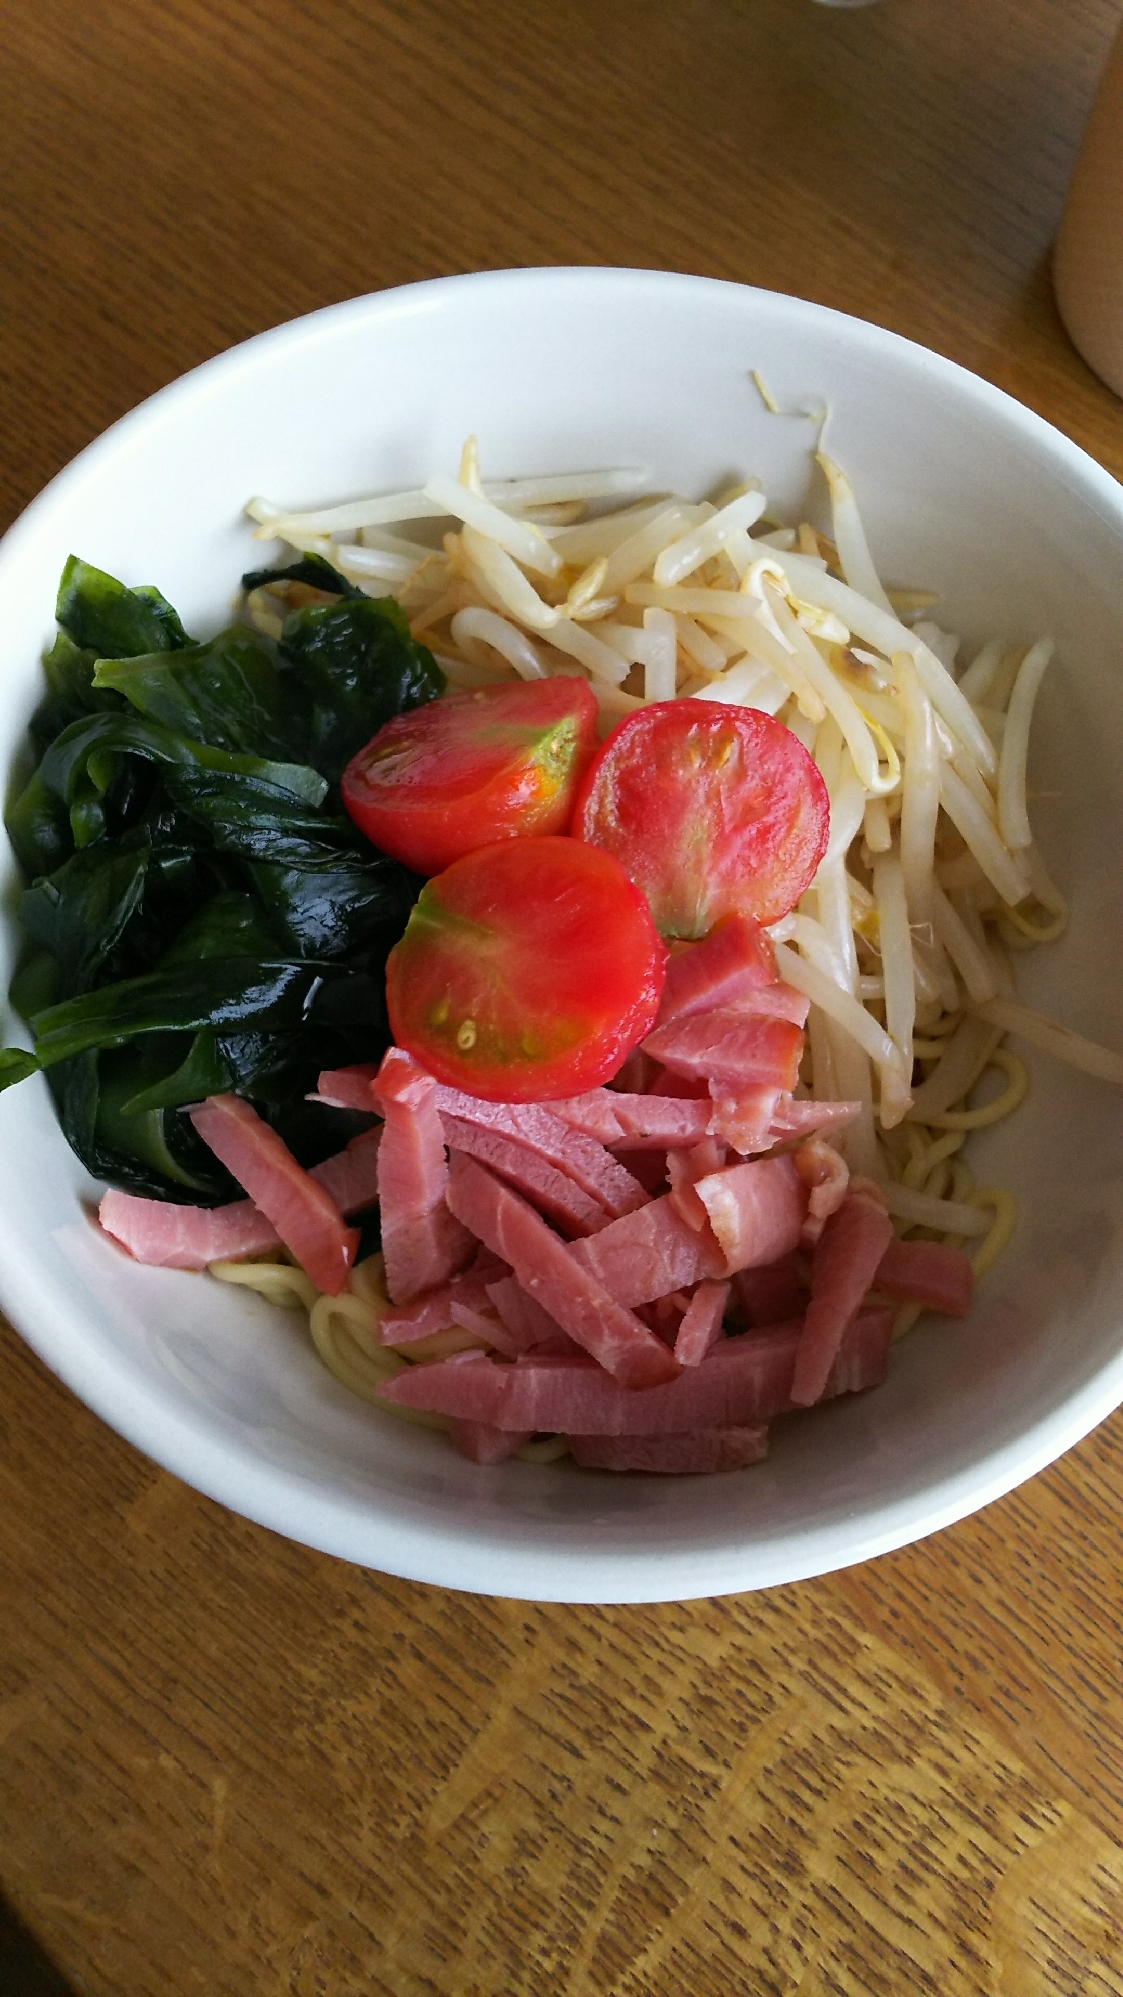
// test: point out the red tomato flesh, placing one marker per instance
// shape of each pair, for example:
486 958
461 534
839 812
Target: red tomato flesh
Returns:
709 808
527 971
474 767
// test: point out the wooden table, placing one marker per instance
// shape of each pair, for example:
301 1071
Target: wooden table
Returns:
231 1766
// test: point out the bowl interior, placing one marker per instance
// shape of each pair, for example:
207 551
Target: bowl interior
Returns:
962 491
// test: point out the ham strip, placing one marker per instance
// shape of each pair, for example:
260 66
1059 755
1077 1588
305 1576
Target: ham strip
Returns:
701 1324
550 1273
708 1450
684 1169
168 1236
767 1295
743 1118
731 1048
649 1253
688 1088
826 1176
487 1328
756 1210
635 1074
843 1266
433 1312
556 1142
742 1381
862 1359
303 1213
801 1119
674 1123
422 1244
554 1193
350 1177
927 1272
481 1444
347 1088
179 1237
778 1001
649 1167
530 1328
641 1123
734 959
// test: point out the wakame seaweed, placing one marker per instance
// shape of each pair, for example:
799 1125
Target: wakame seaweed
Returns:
200 915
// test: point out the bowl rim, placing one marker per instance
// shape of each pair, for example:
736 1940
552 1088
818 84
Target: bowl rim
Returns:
279 1498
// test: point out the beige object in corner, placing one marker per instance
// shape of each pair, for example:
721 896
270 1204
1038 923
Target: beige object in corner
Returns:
1088 258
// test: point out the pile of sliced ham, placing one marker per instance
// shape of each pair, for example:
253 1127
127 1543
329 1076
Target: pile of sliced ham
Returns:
654 1269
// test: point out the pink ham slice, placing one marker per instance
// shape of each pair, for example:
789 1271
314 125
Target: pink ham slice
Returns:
347 1088
696 1455
554 1193
433 1312
641 1123
701 1324
422 1243
303 1213
538 1129
756 1211
649 1167
350 1178
487 1327
647 1254
549 1272
733 960
770 1294
826 1175
674 1123
635 1074
742 1381
481 1444
862 1359
843 1266
178 1237
927 1272
777 1001
743 1118
530 1328
801 1119
684 1169
730 1048
689 1088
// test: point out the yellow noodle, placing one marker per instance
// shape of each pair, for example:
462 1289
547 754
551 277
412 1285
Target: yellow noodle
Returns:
1005 1220
930 1155
549 1449
905 1319
332 1322
279 1284
993 1112
1022 933
368 1281
931 1210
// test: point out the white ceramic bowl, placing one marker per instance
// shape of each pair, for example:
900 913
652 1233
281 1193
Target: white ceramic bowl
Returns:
964 490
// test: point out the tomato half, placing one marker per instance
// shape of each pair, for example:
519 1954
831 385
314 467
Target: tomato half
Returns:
708 808
461 772
527 971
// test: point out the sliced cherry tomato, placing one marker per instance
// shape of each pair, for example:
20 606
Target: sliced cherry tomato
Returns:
461 772
708 808
527 971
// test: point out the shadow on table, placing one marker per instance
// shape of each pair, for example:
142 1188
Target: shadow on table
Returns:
24 1969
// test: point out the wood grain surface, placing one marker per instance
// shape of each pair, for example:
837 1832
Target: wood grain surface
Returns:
232 1766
